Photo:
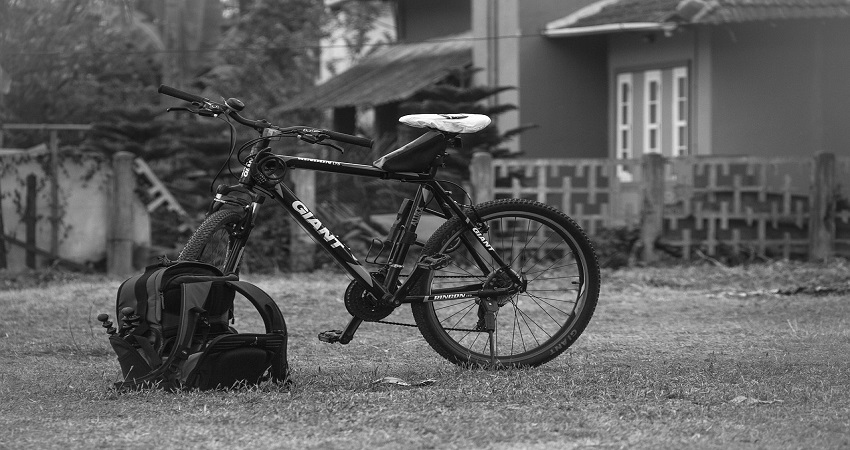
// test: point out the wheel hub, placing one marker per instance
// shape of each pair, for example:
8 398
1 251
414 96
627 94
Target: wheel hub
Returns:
500 280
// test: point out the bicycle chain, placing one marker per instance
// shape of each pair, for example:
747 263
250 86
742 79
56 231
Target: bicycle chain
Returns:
414 325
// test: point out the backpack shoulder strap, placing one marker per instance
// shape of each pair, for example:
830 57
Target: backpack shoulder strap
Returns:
142 287
273 320
268 309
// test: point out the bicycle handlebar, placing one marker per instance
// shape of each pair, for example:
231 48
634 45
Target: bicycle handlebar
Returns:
262 124
348 139
177 93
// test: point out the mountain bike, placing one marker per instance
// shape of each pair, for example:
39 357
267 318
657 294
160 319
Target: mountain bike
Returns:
504 283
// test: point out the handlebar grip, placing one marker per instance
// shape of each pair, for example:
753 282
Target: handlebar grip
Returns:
177 93
348 139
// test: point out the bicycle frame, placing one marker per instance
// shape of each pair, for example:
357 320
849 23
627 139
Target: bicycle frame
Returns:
490 281
327 239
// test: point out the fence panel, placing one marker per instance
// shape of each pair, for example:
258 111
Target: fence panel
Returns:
756 206
585 189
842 206
734 205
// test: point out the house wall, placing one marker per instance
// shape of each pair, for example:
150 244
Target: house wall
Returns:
564 92
495 27
637 52
420 20
780 88
558 80
561 85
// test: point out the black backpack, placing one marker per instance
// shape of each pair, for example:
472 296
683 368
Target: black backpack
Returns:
174 330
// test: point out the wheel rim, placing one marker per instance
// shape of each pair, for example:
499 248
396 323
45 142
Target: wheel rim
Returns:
529 322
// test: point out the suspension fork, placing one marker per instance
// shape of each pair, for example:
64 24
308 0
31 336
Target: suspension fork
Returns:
238 246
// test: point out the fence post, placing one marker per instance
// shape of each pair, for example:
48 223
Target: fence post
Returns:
302 249
652 210
822 208
3 262
119 252
481 176
54 192
31 220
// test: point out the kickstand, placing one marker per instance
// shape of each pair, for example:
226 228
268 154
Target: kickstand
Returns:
492 334
491 309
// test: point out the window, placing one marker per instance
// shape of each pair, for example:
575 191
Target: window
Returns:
680 112
625 95
652 111
624 116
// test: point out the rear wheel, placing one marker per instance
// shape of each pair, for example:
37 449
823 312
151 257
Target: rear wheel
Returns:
558 294
217 241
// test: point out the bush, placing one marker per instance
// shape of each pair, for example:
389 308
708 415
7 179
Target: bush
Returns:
616 247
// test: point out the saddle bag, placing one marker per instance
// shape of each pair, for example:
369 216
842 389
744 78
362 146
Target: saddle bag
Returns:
174 330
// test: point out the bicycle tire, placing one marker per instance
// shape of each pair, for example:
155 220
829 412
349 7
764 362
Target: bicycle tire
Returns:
214 240
555 246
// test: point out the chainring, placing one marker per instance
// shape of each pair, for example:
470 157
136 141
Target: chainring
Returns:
362 304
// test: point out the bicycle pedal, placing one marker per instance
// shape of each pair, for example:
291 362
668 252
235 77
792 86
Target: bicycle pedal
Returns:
330 336
436 261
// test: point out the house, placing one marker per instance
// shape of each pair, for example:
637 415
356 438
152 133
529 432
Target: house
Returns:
757 86
432 40
752 84
622 78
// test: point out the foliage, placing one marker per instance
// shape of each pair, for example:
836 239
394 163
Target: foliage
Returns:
61 71
269 53
616 247
355 24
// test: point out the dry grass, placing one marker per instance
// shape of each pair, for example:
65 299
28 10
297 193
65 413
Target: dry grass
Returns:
701 356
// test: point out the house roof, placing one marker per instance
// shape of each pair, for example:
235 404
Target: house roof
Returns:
607 16
391 74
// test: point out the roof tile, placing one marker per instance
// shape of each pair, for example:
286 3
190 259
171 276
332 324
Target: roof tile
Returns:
391 74
714 11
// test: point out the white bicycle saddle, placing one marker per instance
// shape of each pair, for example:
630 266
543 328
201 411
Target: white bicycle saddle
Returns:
450 123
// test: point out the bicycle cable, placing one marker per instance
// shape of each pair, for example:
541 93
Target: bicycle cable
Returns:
224 118
471 202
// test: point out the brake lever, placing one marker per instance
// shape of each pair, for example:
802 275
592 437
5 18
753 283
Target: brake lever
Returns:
331 145
205 112
319 140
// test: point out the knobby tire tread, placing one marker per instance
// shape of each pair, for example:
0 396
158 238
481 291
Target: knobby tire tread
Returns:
200 238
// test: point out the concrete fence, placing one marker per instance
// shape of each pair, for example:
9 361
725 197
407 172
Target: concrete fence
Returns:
768 207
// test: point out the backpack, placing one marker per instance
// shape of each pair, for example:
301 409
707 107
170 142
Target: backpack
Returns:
174 330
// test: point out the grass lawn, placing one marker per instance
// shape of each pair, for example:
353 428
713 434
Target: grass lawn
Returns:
679 357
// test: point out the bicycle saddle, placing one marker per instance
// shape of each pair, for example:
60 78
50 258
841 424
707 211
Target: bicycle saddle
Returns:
449 123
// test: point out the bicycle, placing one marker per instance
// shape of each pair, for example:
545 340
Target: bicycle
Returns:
505 283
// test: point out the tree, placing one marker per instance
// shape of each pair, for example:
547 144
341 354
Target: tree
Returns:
356 25
269 52
61 71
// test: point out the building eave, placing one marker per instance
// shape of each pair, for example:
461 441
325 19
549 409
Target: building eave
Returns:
610 28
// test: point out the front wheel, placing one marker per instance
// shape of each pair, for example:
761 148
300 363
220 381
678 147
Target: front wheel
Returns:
560 286
217 241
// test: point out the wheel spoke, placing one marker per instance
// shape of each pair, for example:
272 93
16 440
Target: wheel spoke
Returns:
548 250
